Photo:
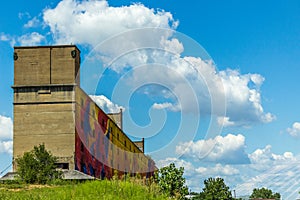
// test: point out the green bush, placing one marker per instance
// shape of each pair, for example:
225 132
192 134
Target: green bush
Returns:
264 193
215 188
37 166
171 181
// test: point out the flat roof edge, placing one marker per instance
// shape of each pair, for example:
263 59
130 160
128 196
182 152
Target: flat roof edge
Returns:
47 46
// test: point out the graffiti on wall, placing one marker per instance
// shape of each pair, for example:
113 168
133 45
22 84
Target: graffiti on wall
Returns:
101 146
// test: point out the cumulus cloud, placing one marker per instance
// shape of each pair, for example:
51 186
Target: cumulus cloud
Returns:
262 159
104 103
197 83
294 130
166 105
6 147
243 97
31 39
218 170
91 22
267 169
148 37
6 130
195 173
6 134
225 122
229 149
34 22
7 38
189 169
282 178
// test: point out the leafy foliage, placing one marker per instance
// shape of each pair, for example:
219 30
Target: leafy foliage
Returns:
215 189
264 193
37 166
171 181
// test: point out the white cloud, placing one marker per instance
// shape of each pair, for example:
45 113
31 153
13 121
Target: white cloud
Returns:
6 134
166 105
173 45
6 130
218 170
294 130
34 22
24 15
278 172
4 37
244 100
228 149
31 39
6 147
91 22
225 122
262 159
189 169
195 173
7 38
194 81
104 103
282 178
197 83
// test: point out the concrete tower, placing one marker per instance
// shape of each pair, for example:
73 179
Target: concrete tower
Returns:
45 79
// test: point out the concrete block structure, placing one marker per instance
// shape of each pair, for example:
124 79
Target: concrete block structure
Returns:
50 108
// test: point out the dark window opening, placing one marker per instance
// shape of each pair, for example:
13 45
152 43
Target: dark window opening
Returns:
81 147
62 165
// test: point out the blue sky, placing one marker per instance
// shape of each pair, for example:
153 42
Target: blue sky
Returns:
245 55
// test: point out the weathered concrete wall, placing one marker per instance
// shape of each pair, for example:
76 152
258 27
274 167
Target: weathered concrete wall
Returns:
46 65
44 100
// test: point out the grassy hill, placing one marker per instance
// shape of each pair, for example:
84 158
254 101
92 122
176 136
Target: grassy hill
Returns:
106 190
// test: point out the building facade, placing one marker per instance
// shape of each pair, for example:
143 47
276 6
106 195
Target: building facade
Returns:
50 108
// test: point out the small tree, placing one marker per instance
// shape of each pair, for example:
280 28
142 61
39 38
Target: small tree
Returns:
37 166
215 189
171 181
264 193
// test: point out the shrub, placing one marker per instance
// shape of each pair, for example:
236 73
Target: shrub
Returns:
37 166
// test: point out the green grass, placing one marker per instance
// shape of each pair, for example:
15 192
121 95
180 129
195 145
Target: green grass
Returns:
106 190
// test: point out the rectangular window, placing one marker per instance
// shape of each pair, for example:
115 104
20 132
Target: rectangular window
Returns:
62 165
